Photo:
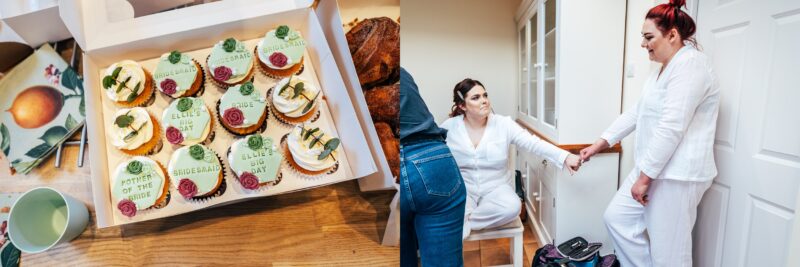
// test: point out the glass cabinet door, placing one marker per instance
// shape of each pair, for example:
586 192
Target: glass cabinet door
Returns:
523 72
534 72
550 62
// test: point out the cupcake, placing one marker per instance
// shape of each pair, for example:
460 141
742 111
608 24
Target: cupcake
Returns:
178 75
187 121
242 109
230 63
280 52
255 161
312 151
196 171
128 84
294 100
135 132
139 184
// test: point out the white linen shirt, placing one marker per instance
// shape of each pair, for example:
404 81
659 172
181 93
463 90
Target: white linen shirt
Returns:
486 166
675 119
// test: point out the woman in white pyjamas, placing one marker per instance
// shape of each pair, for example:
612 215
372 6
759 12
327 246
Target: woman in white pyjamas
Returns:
652 215
479 141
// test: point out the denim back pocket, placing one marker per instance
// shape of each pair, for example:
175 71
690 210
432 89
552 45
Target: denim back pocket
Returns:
439 172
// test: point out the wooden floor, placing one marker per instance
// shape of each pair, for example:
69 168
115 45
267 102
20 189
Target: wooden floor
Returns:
497 251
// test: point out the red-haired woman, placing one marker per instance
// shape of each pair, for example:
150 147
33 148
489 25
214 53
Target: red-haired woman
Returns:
675 120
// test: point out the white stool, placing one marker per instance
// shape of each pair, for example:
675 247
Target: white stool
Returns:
511 230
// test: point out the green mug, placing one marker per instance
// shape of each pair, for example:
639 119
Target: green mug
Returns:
44 217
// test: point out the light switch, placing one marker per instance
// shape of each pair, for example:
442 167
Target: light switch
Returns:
630 70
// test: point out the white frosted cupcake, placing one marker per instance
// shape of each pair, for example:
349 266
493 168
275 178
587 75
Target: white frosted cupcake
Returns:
294 100
128 84
311 151
135 132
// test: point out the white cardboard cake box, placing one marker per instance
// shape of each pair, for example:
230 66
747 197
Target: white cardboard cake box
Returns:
106 40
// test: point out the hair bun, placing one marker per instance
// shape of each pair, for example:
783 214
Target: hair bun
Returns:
677 3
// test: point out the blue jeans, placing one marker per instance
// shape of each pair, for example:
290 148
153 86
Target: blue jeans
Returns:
432 199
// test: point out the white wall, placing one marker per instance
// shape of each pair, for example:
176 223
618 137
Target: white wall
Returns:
637 67
444 41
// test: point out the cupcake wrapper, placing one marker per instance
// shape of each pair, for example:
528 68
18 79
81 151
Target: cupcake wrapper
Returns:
302 173
279 117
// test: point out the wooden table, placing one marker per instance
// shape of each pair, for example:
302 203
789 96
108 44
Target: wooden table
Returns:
328 226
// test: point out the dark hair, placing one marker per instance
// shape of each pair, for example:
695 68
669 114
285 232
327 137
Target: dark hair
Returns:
460 94
669 16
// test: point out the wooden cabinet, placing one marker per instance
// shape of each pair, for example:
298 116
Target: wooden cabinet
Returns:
570 90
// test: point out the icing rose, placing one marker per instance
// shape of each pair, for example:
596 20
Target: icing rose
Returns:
246 88
174 57
248 180
233 116
197 152
127 207
169 86
255 142
184 104
278 59
174 135
222 73
134 167
282 31
187 188
229 45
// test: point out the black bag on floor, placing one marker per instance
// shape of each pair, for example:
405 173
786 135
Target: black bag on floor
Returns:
576 252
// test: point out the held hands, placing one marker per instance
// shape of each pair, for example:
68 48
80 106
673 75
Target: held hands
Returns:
595 148
573 163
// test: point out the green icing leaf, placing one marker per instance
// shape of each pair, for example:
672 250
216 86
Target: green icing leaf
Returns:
54 135
123 84
184 104
229 45
282 31
332 144
134 167
310 104
135 92
255 142
309 133
196 151
246 88
285 86
108 82
298 89
123 121
174 57
115 73
5 145
324 154
71 123
315 140
38 151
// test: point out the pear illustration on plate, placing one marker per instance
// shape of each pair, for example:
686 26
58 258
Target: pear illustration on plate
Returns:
36 106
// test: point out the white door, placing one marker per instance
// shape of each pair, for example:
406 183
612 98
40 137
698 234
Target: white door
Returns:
746 217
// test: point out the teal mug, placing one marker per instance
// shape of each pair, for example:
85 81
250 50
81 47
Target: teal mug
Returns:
43 218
